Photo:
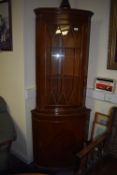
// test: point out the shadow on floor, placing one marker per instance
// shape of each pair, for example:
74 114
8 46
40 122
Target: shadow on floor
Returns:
108 166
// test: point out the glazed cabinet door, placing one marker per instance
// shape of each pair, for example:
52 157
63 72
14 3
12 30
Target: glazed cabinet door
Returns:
61 61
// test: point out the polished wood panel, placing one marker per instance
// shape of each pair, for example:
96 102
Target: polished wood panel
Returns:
57 138
60 118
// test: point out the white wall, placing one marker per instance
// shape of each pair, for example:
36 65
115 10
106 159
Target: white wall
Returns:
98 51
12 77
99 39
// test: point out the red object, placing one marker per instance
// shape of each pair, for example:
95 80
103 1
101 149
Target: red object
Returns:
106 87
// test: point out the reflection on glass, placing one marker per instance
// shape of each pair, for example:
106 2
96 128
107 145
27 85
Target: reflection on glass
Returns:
63 30
57 56
64 49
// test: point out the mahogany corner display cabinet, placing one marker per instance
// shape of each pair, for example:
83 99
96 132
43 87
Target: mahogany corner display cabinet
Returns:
60 119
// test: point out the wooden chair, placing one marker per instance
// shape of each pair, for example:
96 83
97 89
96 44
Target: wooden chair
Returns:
101 143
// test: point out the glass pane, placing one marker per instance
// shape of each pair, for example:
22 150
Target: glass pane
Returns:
63 64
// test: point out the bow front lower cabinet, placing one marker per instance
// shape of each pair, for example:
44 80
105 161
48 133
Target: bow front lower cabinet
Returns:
60 120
